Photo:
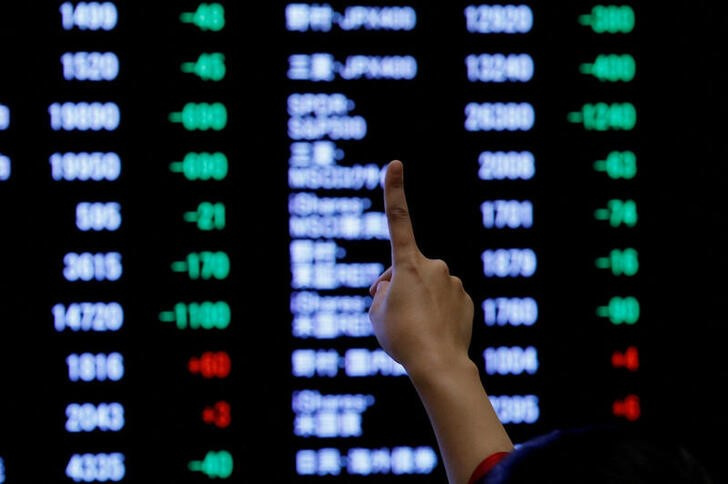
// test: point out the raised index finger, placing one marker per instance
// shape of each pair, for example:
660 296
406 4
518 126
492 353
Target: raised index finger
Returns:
401 235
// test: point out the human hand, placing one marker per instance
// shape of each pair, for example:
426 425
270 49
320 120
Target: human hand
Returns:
421 315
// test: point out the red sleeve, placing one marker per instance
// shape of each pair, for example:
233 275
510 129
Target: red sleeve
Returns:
486 465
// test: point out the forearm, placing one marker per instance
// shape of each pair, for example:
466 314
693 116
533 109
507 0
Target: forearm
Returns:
466 426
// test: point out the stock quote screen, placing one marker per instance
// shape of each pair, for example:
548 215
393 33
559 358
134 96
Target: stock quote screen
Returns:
191 216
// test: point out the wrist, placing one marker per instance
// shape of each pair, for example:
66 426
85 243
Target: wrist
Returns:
465 423
437 370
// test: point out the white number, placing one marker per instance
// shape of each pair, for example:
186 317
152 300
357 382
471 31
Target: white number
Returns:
499 67
516 408
86 417
95 166
512 311
88 316
98 216
511 165
499 19
86 266
509 263
89 15
95 367
514 361
512 214
499 116
84 116
96 467
90 66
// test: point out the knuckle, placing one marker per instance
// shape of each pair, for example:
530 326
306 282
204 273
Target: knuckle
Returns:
397 212
440 265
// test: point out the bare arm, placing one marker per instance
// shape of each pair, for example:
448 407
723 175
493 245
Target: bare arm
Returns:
422 317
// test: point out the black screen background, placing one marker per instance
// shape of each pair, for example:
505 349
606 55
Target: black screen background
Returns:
679 47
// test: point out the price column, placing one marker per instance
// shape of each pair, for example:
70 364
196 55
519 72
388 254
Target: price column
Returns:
501 123
85 168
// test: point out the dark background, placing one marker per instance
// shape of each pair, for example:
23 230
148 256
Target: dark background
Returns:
681 235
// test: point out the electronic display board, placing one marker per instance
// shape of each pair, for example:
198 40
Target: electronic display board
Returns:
191 209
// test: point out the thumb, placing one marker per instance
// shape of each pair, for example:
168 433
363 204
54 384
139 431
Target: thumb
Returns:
379 291
385 276
381 288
